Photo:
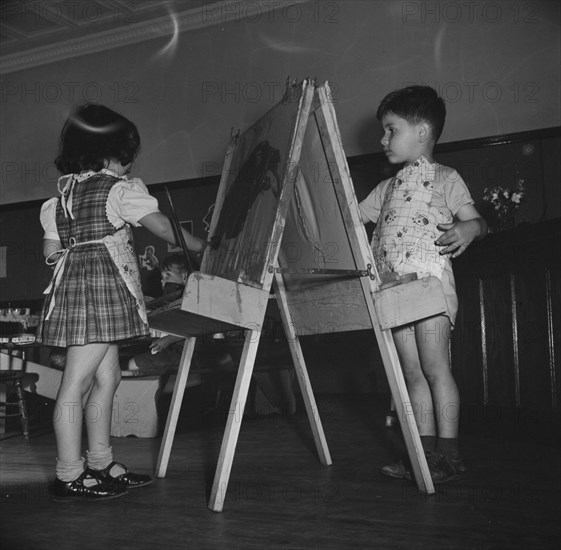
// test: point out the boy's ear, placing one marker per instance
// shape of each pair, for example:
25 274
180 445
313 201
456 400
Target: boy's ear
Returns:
424 132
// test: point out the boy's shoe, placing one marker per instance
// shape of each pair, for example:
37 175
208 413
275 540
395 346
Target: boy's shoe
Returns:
122 476
444 468
397 470
70 491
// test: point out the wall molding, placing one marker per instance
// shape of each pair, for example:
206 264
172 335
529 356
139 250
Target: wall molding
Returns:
476 143
355 161
216 13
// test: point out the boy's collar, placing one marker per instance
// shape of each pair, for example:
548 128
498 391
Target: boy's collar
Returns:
422 165
423 161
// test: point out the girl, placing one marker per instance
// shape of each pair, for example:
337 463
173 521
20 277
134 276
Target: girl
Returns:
95 298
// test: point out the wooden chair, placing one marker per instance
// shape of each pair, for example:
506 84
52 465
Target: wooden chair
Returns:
13 380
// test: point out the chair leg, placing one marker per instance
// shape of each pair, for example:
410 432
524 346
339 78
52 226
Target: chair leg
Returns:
391 416
14 380
22 407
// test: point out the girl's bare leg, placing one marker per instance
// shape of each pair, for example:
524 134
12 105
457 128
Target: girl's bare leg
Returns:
99 406
82 363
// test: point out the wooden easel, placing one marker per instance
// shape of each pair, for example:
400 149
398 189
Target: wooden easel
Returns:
268 231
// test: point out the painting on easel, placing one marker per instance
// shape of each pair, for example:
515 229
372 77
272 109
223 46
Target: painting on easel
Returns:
252 184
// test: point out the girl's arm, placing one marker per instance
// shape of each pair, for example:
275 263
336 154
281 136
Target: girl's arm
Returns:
468 227
160 225
50 246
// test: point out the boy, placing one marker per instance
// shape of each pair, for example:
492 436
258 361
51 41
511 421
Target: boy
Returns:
424 216
165 352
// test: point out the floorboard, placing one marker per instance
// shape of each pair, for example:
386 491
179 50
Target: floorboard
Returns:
280 497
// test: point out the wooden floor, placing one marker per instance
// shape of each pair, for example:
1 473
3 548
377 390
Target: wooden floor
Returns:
280 497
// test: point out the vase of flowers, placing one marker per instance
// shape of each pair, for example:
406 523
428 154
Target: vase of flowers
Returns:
504 202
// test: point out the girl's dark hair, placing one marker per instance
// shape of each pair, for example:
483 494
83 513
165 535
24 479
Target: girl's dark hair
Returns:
94 134
416 104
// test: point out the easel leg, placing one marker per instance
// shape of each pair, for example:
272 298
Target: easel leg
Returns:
233 424
400 397
302 374
175 407
309 400
3 398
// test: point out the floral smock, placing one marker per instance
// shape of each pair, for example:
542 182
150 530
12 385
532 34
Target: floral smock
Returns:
407 210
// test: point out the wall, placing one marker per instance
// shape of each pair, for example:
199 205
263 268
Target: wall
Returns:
496 64
21 234
487 274
506 342
479 164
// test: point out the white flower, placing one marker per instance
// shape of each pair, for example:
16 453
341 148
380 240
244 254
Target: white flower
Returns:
504 200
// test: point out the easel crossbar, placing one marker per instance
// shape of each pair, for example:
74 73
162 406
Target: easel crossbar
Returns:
322 271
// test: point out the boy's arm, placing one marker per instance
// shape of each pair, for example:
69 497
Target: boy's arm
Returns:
371 206
164 342
468 227
364 220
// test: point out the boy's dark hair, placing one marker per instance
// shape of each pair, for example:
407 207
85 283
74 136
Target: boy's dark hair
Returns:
94 134
416 104
175 260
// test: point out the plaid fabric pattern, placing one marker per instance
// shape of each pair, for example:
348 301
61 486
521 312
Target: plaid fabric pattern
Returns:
90 221
93 303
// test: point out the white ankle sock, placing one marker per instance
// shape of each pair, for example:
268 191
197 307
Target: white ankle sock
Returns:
99 460
69 471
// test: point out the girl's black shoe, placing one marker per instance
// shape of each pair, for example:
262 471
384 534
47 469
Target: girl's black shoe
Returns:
70 491
127 479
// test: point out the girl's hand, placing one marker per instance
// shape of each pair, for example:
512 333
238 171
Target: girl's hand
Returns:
458 236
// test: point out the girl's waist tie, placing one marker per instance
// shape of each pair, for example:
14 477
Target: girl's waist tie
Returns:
59 264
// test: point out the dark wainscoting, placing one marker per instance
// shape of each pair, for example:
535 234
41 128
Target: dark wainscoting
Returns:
506 344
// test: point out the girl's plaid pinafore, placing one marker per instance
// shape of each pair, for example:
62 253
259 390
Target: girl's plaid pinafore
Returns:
92 301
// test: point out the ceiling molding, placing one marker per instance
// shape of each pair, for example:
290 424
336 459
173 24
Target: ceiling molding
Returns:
207 15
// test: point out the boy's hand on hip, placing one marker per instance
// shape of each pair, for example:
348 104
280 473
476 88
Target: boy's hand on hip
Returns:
457 236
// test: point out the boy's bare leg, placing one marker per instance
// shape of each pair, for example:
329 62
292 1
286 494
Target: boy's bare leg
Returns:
417 385
432 337
435 400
